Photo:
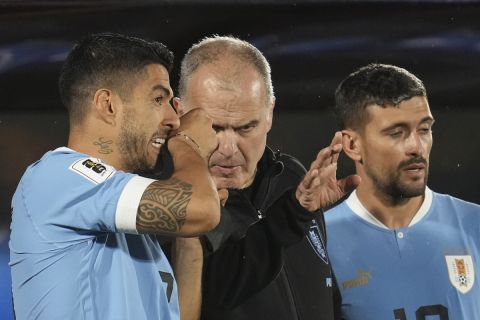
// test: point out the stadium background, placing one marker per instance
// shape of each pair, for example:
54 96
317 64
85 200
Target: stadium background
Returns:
311 45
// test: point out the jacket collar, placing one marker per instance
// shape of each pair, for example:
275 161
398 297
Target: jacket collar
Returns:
269 170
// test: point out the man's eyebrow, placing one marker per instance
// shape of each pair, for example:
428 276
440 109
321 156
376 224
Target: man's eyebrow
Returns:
428 119
404 124
246 125
242 126
166 91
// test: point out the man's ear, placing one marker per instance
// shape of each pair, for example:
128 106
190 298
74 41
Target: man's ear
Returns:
270 114
178 106
352 145
105 105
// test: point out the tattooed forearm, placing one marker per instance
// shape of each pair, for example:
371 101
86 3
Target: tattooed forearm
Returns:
163 207
104 145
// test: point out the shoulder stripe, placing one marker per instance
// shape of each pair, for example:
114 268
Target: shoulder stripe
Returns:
127 206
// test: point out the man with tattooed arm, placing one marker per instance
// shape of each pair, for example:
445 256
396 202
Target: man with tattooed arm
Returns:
83 242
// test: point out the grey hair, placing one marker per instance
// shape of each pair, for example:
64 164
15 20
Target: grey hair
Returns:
214 48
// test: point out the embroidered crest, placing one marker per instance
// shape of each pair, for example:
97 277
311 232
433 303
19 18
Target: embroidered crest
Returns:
461 272
315 239
92 169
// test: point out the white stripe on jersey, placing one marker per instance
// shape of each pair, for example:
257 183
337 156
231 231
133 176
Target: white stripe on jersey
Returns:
126 213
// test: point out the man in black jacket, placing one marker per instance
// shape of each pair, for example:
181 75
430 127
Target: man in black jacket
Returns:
271 262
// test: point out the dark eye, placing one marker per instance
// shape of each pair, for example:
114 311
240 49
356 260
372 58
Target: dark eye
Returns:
217 128
159 99
247 128
425 130
395 134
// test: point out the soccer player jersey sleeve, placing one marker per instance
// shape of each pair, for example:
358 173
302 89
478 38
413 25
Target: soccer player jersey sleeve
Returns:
67 197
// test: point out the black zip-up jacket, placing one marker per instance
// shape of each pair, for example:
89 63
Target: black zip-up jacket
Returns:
268 257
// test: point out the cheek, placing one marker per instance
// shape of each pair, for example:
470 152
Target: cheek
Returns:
152 119
252 148
383 156
428 145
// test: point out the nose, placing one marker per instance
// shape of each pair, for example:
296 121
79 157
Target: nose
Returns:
227 143
415 145
171 118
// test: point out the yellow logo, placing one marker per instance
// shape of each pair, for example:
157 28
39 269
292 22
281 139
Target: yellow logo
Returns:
362 279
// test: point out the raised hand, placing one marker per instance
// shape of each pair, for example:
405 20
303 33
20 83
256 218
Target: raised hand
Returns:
196 129
320 187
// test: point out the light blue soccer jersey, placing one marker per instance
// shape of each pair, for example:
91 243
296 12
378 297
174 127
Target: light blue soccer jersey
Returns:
427 270
74 249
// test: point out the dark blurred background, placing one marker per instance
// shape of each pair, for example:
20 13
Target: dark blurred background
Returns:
311 45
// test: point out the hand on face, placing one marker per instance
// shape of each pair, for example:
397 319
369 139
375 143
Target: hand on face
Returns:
320 187
197 126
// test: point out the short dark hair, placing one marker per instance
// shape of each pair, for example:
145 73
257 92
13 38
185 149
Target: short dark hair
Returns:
380 84
106 59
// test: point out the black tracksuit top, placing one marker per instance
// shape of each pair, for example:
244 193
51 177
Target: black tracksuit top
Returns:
267 258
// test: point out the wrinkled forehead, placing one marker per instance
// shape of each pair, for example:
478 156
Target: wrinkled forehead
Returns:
234 79
240 94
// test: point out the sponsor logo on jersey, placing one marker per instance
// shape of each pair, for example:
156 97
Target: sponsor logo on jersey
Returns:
315 239
461 272
92 169
362 280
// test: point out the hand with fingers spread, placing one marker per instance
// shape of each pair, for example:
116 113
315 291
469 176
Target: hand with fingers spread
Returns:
320 187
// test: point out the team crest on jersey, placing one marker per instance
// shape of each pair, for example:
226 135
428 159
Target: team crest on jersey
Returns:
315 238
461 272
92 169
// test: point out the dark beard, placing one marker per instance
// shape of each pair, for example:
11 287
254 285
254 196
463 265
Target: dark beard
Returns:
399 192
163 168
132 147
392 186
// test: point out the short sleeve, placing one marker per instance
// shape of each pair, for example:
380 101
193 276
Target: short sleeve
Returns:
69 197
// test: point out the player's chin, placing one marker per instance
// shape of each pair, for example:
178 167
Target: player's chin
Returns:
152 154
414 189
147 162
226 183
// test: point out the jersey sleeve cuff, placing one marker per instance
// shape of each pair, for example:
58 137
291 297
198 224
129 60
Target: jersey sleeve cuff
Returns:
127 207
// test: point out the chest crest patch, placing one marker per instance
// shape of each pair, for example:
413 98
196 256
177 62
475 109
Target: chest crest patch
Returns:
461 272
316 241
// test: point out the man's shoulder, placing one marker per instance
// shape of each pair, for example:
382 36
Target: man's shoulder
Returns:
64 164
63 175
449 203
54 162
339 213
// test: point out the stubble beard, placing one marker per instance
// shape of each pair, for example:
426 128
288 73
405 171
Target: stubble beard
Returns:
132 145
393 186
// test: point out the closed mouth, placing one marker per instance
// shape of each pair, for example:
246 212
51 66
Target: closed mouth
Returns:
415 167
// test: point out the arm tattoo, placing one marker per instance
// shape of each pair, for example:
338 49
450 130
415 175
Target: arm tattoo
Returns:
163 207
104 145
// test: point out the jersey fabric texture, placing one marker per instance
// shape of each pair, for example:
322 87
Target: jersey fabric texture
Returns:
71 255
272 264
426 270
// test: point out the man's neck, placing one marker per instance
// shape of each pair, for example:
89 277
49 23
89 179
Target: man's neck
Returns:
393 213
80 145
